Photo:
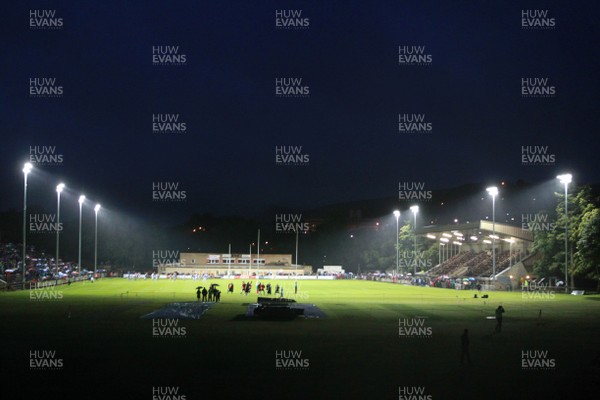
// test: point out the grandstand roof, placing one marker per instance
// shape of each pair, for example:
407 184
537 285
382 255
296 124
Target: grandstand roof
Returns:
479 229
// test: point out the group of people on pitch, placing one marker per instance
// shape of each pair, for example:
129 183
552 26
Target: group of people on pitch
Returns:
212 294
261 288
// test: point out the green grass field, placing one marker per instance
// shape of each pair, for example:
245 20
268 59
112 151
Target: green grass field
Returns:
356 352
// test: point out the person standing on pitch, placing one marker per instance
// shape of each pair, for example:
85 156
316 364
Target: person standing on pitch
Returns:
464 347
198 294
499 312
296 287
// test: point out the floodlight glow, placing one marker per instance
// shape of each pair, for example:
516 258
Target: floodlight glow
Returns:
60 187
509 240
430 236
414 209
494 236
474 238
457 243
458 234
446 234
27 167
81 199
396 213
492 190
445 240
487 241
565 178
97 208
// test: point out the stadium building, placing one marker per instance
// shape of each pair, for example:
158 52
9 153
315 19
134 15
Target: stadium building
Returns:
216 264
465 250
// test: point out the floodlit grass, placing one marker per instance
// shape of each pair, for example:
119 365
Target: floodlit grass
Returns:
355 352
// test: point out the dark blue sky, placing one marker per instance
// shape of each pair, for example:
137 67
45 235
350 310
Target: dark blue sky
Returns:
225 93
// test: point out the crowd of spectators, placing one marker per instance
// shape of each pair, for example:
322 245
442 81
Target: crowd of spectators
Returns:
484 266
454 262
469 263
39 266
10 257
454 283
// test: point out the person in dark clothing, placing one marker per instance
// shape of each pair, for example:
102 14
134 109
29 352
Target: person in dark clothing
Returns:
277 289
499 312
230 288
198 294
296 287
464 347
268 288
204 293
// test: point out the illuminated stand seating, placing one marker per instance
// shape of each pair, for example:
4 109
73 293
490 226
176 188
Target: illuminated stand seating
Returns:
449 266
473 264
470 247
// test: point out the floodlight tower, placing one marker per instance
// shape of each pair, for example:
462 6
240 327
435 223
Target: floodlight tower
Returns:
81 201
96 209
27 167
493 191
59 189
565 179
397 215
415 210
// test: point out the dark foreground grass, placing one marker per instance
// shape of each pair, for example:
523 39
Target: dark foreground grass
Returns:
356 352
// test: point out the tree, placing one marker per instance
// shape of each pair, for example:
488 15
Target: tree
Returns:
583 232
586 262
380 254
551 250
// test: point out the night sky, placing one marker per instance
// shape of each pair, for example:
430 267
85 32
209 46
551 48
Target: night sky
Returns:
348 125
